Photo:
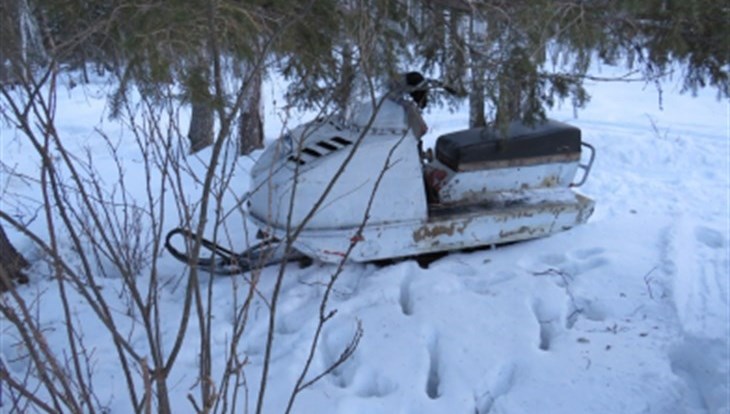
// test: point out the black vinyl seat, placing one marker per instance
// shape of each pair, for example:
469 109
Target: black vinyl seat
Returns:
488 148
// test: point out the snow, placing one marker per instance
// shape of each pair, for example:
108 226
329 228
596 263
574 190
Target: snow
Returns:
626 314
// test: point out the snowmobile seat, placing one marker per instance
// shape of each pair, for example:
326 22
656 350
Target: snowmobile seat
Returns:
522 145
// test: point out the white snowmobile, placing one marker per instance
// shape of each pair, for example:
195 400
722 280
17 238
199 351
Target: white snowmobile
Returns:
360 188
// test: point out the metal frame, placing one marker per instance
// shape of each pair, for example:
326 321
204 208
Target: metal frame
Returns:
586 167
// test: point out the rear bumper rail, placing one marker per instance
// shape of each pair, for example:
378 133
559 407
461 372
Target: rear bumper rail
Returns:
587 166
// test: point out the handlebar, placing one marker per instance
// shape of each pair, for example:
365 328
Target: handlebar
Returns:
427 85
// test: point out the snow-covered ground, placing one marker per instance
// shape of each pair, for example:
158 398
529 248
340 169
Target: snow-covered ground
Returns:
626 314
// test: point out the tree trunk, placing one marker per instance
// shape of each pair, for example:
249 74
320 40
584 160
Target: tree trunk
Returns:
508 107
251 121
9 39
343 94
200 132
21 44
202 117
476 99
12 264
477 85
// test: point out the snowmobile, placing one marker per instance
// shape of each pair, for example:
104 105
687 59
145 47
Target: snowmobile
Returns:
360 187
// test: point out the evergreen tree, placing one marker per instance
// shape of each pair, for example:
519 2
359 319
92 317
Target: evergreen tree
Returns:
515 59
343 42
518 58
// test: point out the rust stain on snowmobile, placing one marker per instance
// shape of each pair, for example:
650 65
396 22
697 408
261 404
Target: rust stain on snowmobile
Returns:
429 232
550 181
520 231
515 215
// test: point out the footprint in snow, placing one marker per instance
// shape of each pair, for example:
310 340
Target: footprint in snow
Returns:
404 298
335 340
370 384
583 260
709 237
296 309
574 262
702 364
542 262
433 380
583 254
583 308
553 259
548 317
484 284
497 384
